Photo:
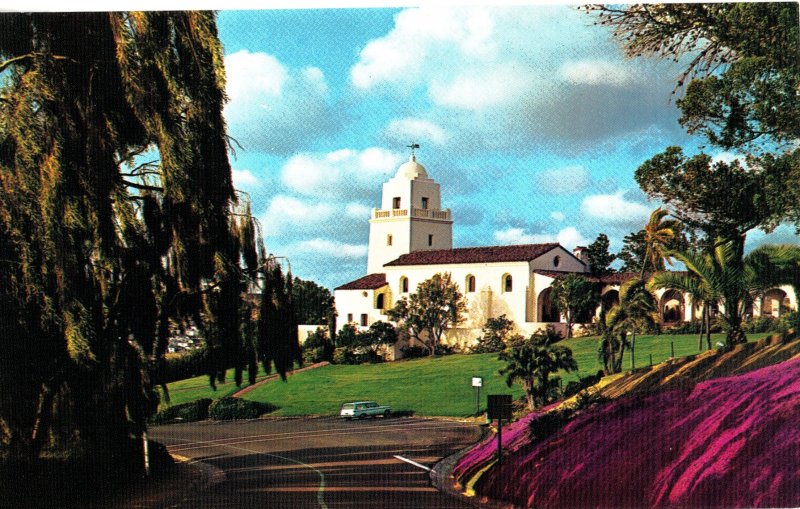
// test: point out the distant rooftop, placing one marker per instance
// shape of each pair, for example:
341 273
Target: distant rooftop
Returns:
487 254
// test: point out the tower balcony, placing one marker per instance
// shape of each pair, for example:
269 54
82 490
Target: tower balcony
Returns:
442 215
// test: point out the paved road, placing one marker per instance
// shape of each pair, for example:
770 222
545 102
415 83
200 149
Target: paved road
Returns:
320 462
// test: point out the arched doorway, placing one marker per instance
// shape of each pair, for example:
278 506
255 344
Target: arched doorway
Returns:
609 299
775 303
547 311
380 301
671 307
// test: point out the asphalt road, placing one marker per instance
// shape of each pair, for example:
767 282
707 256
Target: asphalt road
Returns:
319 462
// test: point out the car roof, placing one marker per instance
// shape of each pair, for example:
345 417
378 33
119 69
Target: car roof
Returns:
357 402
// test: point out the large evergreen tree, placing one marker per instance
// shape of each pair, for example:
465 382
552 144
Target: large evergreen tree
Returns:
116 218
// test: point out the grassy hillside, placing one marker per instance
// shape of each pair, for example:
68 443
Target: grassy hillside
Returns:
439 386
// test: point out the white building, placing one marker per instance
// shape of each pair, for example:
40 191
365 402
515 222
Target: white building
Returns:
411 239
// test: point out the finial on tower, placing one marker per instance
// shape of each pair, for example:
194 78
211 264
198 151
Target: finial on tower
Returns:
412 147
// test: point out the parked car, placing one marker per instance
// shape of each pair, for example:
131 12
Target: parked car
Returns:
362 409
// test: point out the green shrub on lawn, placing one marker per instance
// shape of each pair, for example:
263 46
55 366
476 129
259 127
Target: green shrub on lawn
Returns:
227 409
186 412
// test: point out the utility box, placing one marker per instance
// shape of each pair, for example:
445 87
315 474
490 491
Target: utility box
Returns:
499 406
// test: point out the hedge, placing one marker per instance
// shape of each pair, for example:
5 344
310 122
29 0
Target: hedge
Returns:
226 409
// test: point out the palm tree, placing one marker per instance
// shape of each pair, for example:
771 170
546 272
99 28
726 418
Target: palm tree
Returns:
724 278
699 290
637 310
658 232
532 361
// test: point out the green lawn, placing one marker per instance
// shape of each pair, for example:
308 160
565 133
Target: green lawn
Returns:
198 388
439 386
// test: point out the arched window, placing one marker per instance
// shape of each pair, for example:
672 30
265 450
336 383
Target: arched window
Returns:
403 284
470 284
379 301
507 284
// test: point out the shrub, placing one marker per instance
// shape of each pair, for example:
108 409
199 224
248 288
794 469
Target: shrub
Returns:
314 355
548 423
495 334
186 412
226 409
761 324
413 352
588 397
575 387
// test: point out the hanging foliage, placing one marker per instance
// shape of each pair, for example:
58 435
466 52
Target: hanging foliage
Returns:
117 218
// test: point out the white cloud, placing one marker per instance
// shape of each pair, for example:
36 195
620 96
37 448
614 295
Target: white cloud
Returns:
557 216
325 247
568 237
243 179
412 129
614 208
274 108
598 72
566 180
508 76
343 171
357 210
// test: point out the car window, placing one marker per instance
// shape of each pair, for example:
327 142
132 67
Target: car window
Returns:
372 405
348 406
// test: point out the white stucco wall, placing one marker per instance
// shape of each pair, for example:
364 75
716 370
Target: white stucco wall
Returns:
358 302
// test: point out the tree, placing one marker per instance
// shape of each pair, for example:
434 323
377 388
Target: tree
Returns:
278 345
600 259
724 277
658 233
379 335
742 74
701 292
313 303
531 362
691 186
102 247
436 306
573 295
497 332
637 311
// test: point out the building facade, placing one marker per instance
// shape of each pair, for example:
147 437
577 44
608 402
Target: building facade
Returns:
411 239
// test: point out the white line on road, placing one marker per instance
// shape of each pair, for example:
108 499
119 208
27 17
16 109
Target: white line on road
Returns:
418 465
320 492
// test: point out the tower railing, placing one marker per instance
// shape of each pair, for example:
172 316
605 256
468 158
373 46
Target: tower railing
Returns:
414 212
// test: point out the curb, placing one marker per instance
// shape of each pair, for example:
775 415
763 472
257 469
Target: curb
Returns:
442 479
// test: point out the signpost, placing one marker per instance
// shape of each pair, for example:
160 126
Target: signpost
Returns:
499 407
477 383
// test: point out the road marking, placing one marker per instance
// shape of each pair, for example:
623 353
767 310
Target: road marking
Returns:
320 491
412 462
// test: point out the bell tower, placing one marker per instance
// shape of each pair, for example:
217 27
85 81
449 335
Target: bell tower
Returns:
411 217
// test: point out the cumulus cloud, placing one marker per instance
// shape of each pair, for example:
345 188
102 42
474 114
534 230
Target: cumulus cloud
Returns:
566 180
568 237
325 247
243 179
614 208
273 108
413 129
598 72
352 171
508 76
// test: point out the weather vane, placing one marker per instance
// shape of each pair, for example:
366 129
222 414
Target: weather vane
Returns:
412 147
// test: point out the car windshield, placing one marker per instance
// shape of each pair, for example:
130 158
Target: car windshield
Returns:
348 406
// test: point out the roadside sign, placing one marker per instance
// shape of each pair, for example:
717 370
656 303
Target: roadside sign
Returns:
499 406
477 381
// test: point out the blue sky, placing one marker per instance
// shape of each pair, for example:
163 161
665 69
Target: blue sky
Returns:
530 118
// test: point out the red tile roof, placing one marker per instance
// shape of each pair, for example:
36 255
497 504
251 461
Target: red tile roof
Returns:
368 282
556 273
487 254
